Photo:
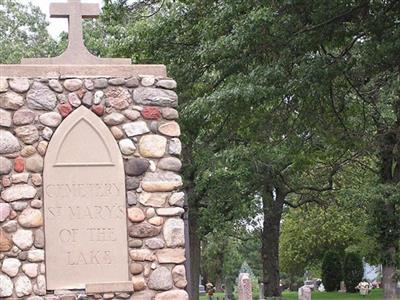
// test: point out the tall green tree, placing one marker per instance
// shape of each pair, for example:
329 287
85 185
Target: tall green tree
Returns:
23 32
353 271
283 93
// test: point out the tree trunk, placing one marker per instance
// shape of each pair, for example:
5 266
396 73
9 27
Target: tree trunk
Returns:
389 266
389 282
194 253
228 289
272 208
389 174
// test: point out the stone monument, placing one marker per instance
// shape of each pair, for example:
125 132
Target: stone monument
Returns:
90 205
304 293
245 288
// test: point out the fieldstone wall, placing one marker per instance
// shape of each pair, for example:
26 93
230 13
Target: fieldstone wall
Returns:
139 112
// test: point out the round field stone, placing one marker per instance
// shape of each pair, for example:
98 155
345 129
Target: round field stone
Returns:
23 286
52 119
117 81
3 85
114 119
100 83
40 97
171 256
135 128
74 100
165 181
132 82
132 183
23 116
28 151
23 239
30 269
169 113
170 129
36 255
170 164
142 255
5 210
153 199
139 283
152 146
135 214
5 118
65 109
18 192
19 164
151 113
170 211
132 114
56 86
11 100
143 230
5 166
175 147
160 279
5 242
19 85
42 147
73 85
28 134
8 142
30 218
174 233
11 266
34 163
98 109
155 97
155 243
118 98
136 268
156 221
88 99
118 134
6 286
148 80
177 199
136 166
179 276
167 84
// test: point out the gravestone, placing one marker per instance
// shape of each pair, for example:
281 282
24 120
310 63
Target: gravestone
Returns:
304 293
245 288
262 291
84 205
90 200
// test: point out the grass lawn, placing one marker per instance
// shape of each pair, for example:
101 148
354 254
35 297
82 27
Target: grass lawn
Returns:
375 295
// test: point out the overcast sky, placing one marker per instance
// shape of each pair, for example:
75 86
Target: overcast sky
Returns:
56 25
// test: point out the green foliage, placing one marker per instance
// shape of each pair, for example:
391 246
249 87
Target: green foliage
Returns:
331 271
23 32
353 271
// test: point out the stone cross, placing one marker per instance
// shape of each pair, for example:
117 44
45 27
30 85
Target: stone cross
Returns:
245 289
76 52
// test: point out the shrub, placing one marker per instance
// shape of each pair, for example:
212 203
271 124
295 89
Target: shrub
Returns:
353 271
331 271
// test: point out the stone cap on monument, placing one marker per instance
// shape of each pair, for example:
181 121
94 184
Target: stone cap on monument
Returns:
77 60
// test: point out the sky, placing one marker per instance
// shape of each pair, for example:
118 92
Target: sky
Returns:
56 25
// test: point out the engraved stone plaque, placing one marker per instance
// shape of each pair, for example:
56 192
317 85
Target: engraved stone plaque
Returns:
84 204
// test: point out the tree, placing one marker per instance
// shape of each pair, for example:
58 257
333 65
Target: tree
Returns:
353 271
23 33
331 271
294 91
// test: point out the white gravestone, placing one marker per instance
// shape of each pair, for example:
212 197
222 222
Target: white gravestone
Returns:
245 290
304 293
